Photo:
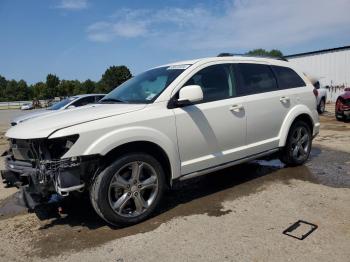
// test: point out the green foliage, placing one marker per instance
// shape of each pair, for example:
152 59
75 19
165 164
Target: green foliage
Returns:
3 84
88 87
113 77
11 90
39 90
263 52
22 89
52 81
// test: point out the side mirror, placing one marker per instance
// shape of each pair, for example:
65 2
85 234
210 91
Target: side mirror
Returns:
71 106
189 94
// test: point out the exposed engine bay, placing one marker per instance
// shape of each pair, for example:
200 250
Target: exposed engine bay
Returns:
36 167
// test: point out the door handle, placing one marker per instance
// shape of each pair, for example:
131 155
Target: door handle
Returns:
236 108
284 99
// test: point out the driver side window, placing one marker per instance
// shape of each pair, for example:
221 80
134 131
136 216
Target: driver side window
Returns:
216 82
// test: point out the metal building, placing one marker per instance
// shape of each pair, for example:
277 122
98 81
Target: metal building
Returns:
330 66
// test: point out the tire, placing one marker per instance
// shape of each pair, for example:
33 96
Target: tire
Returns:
298 147
321 106
128 190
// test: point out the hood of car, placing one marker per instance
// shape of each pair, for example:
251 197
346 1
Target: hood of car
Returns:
345 95
44 125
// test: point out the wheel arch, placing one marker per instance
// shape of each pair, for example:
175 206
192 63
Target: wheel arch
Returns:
301 113
147 147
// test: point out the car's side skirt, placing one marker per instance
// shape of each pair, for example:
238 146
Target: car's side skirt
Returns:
225 165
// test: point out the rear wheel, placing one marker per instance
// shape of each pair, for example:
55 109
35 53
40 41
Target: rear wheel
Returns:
128 190
337 105
298 145
322 106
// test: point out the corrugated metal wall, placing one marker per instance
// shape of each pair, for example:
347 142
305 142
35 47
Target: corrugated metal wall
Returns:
332 68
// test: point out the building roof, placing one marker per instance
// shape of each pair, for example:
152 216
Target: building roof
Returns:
319 51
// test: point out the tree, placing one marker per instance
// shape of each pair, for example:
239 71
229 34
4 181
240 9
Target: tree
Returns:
66 88
23 92
3 84
77 88
53 86
263 52
113 77
88 87
52 81
276 53
39 90
11 90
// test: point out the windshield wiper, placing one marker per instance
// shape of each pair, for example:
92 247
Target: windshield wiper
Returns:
110 100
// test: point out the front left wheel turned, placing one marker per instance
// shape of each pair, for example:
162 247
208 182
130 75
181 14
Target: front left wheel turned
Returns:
128 190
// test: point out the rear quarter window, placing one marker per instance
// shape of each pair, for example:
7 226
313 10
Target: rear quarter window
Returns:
287 77
256 78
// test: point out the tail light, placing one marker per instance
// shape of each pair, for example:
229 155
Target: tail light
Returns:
315 92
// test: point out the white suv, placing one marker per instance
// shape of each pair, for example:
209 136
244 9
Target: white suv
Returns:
172 122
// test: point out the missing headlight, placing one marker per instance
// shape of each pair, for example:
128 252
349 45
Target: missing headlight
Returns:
57 147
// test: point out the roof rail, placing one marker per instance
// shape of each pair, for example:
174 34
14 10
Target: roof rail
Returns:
257 56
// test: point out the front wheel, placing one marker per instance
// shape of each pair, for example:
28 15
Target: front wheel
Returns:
128 191
339 118
298 144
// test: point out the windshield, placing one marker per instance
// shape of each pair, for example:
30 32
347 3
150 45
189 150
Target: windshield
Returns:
145 87
61 104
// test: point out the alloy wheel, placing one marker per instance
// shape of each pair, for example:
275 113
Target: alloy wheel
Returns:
133 189
300 143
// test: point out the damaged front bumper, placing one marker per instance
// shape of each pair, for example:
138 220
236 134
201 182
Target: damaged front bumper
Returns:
40 182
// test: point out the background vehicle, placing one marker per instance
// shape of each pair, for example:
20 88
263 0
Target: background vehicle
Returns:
342 105
321 97
70 102
170 123
27 106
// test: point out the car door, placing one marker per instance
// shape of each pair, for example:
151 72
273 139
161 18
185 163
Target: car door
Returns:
266 105
213 131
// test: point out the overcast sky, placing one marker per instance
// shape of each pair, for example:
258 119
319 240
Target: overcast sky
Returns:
79 39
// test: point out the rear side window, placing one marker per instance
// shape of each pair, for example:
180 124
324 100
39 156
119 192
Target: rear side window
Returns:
256 78
287 77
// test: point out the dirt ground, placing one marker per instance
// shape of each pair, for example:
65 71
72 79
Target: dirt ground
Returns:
237 214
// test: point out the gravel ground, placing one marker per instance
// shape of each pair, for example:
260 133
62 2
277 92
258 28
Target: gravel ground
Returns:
237 214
